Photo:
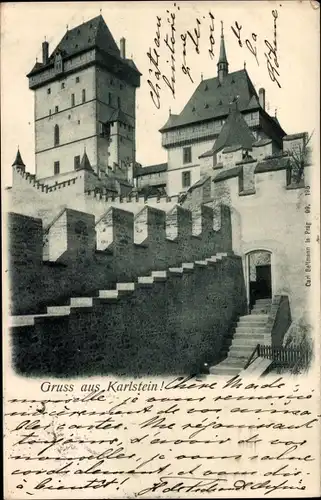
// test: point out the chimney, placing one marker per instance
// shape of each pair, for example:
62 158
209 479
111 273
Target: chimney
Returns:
45 52
123 48
262 98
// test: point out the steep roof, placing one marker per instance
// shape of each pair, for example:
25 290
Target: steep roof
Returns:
85 163
93 33
118 115
18 160
235 132
212 99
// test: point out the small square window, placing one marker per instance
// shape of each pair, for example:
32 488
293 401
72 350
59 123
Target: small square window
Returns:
77 79
186 179
49 90
56 167
76 162
187 154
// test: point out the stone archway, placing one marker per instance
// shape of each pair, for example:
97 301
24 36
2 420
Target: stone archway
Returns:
259 275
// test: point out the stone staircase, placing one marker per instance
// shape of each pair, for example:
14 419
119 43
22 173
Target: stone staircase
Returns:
249 331
111 295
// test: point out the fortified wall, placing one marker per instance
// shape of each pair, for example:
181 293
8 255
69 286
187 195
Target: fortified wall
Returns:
37 199
153 293
75 254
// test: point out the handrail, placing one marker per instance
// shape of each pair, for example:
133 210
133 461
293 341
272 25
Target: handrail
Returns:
249 361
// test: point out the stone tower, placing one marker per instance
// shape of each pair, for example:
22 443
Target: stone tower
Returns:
85 97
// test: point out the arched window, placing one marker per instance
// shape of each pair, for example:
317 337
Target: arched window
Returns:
56 135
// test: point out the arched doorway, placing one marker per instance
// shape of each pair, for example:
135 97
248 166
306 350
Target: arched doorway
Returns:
259 275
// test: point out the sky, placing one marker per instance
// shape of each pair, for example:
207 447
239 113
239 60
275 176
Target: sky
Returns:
24 26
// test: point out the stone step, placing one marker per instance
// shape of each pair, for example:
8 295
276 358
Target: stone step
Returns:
259 311
58 310
224 370
237 352
250 329
249 338
125 287
231 360
258 317
252 321
29 319
263 301
108 294
81 301
239 345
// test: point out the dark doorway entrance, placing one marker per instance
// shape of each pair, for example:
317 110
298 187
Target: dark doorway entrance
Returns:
260 279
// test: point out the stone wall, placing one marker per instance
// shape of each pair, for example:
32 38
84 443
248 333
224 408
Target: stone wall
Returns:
76 255
265 215
169 323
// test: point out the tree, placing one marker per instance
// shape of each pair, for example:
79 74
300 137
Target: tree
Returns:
298 159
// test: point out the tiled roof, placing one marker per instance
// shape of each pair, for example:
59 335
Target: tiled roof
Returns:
291 137
93 33
272 129
85 163
212 99
228 174
18 160
119 116
262 142
235 132
271 165
232 149
199 183
152 169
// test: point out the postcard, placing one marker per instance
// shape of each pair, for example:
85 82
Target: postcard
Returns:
161 249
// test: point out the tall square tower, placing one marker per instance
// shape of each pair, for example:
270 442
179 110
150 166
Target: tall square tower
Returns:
85 99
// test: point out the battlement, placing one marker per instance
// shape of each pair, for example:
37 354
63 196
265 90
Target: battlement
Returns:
75 254
104 195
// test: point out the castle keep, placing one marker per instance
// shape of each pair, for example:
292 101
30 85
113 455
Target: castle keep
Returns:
118 267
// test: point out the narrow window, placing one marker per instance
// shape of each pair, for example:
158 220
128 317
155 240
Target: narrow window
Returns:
49 90
56 109
49 112
83 95
76 162
77 79
63 85
118 102
186 179
109 98
56 167
56 135
187 155
72 99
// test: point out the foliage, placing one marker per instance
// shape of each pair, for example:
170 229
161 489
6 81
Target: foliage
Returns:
298 159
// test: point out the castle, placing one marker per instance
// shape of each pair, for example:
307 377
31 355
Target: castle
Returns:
92 217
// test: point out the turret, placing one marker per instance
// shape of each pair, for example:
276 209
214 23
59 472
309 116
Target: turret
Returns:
18 163
222 65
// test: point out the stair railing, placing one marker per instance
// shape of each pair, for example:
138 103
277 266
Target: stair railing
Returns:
251 358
